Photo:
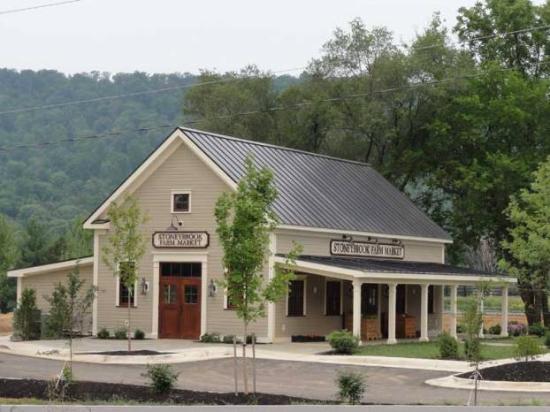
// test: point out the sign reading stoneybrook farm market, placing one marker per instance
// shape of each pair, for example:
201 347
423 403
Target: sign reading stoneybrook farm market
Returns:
366 249
191 240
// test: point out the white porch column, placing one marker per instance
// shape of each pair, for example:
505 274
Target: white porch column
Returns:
391 312
454 310
424 313
357 308
504 312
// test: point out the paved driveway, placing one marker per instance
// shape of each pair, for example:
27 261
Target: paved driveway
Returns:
311 380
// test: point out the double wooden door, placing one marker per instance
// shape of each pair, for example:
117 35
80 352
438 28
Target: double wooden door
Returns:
179 303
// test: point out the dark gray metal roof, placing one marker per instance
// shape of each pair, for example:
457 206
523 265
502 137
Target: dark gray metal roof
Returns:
321 191
393 266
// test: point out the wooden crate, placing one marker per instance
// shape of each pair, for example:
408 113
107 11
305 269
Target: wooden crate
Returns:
405 327
370 329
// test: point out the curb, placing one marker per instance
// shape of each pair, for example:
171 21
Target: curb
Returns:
454 382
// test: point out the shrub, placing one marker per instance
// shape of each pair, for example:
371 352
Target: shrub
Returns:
547 339
460 328
162 378
495 330
211 338
121 333
139 334
26 318
343 341
527 347
351 387
103 333
229 339
516 329
448 346
537 329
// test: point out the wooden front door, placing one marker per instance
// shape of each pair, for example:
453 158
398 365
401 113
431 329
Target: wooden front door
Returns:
180 300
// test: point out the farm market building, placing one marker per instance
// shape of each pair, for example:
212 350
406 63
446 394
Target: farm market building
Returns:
372 262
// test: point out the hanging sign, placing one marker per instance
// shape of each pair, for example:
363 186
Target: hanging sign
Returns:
366 249
181 240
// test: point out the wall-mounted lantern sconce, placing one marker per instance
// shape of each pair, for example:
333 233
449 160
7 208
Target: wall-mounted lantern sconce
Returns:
212 288
347 238
144 286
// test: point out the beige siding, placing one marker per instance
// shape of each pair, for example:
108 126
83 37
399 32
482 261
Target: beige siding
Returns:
315 322
319 244
181 171
44 284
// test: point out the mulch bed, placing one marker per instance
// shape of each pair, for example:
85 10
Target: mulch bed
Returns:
99 391
143 352
533 371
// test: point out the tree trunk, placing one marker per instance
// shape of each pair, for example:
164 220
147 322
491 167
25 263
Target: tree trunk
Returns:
235 365
245 371
528 298
129 328
545 311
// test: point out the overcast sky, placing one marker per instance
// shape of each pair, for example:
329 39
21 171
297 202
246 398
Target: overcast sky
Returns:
184 36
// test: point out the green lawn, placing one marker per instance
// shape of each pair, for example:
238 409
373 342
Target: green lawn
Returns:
429 350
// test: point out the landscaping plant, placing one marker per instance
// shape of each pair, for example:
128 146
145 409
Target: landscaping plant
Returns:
126 246
527 348
547 339
103 333
211 338
351 387
516 329
139 334
343 341
162 378
26 318
69 305
448 346
245 221
121 333
495 329
537 329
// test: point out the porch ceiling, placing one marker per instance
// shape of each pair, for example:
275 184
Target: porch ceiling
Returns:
392 270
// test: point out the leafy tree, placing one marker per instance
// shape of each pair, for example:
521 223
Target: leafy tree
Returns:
36 247
529 244
244 222
8 257
125 247
70 303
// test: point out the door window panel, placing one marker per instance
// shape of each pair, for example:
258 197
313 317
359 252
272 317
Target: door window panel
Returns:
169 294
191 294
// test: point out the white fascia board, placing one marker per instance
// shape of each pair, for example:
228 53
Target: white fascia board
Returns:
149 166
52 267
365 234
350 274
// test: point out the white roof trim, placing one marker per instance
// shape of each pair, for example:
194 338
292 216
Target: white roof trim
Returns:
148 167
399 277
52 267
365 234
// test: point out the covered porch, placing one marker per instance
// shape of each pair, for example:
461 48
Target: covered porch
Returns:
386 299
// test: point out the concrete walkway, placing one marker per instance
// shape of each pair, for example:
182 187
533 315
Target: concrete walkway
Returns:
179 351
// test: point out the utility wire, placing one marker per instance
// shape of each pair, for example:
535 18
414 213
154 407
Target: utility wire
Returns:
272 109
133 94
38 6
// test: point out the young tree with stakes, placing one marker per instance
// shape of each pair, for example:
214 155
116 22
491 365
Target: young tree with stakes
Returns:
245 221
125 247
71 303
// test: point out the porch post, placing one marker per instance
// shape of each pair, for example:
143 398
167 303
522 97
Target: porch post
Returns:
391 312
357 308
504 312
454 310
424 313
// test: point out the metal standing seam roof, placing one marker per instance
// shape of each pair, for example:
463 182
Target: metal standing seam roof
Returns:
394 266
320 191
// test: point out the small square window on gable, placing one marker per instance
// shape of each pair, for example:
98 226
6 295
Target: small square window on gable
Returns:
181 201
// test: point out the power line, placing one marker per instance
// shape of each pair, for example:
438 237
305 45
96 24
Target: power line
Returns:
490 36
132 94
38 6
272 109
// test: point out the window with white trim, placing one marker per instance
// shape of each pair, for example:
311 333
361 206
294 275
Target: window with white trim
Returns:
181 201
125 295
